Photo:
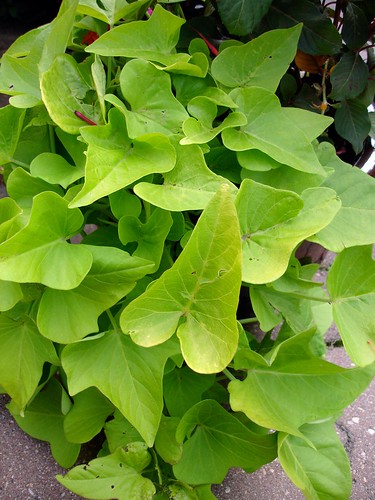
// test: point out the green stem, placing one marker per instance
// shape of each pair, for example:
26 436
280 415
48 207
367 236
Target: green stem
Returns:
160 476
109 71
112 320
246 321
20 163
327 300
324 88
229 374
52 142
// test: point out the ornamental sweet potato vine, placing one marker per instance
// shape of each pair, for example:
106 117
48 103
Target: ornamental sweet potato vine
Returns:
148 183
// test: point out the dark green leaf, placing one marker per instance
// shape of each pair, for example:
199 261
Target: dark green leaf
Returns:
353 123
349 77
355 28
242 16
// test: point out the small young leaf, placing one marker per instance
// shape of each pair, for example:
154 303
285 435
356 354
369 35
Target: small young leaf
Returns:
198 295
114 476
351 285
216 441
120 432
307 467
54 169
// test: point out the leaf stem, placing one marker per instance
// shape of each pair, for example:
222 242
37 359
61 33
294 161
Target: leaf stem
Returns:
229 374
20 163
157 468
327 300
246 321
112 320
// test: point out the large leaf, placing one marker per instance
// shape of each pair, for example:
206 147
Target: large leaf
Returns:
272 130
114 476
296 388
11 122
23 352
189 186
216 441
38 253
354 223
198 296
319 35
307 467
268 57
115 161
153 40
112 275
44 419
110 11
273 222
351 285
349 77
355 29
65 91
242 16
87 416
352 122
128 375
153 107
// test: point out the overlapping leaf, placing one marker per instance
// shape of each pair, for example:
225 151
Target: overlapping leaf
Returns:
23 352
189 186
198 295
260 63
349 77
54 169
216 441
112 275
114 476
111 11
307 467
128 375
44 420
115 161
296 388
351 285
273 222
272 130
11 122
36 256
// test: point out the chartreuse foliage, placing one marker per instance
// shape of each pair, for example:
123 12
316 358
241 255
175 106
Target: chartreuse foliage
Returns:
148 183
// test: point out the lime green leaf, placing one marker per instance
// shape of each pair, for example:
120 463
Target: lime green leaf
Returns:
183 388
10 218
44 419
349 77
189 186
153 107
307 467
23 352
11 122
268 57
10 295
150 236
58 34
111 11
351 285
166 444
114 476
216 441
120 432
99 79
128 375
64 91
200 129
352 122
198 295
273 222
114 161
45 257
296 388
319 35
112 275
354 224
240 16
54 169
87 416
272 130
153 40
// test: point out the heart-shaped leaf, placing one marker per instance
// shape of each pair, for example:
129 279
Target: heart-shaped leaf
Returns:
45 257
115 161
54 169
198 295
